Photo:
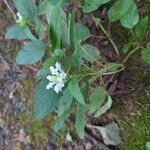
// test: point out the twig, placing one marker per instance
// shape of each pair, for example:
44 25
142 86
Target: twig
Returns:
98 23
10 9
128 56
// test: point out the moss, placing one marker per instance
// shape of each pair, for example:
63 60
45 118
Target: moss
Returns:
135 128
142 79
38 130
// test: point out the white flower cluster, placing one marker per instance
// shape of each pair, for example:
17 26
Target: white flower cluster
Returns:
20 18
56 79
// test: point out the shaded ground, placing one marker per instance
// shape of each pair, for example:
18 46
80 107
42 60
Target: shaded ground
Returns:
19 130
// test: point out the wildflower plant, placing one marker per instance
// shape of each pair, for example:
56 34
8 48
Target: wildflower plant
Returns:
54 38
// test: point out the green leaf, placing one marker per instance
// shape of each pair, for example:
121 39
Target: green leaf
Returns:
68 137
65 101
77 57
27 9
131 17
49 62
97 99
42 73
127 46
90 53
119 9
83 32
57 19
46 6
40 29
80 119
60 120
92 5
148 145
146 54
76 91
31 53
104 108
140 29
75 44
19 33
112 67
45 100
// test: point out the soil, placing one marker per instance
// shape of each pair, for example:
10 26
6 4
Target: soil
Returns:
130 90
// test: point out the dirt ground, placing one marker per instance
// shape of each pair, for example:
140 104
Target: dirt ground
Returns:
130 90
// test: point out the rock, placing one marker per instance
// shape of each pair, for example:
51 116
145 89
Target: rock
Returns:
2 141
49 147
88 146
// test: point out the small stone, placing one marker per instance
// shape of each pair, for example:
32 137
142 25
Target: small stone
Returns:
49 147
88 146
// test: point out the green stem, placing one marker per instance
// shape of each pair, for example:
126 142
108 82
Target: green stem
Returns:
128 56
98 22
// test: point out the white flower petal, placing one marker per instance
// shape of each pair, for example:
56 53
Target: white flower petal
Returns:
63 75
56 88
50 85
56 78
53 70
50 78
19 16
58 67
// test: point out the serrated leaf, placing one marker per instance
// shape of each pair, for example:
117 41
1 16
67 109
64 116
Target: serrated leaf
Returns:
146 54
76 91
131 17
83 32
104 108
42 73
31 53
90 53
80 120
19 33
92 5
60 120
65 101
97 99
27 9
140 29
119 9
45 100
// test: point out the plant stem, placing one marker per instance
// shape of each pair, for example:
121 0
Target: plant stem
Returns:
127 57
98 23
10 9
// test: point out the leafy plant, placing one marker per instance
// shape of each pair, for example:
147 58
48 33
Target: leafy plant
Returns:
54 38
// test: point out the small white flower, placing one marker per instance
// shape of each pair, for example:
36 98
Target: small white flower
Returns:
20 18
56 79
